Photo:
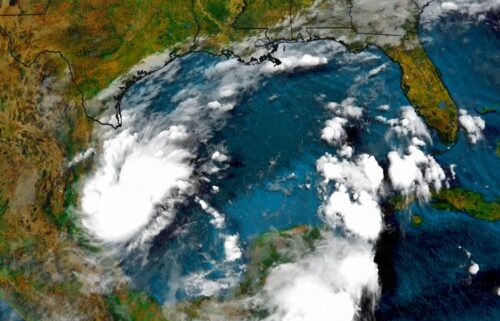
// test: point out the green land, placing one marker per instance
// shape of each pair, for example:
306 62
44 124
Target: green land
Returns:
472 203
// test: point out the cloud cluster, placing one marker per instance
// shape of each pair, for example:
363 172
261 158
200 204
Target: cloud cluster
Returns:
473 125
138 172
334 131
326 285
415 172
354 201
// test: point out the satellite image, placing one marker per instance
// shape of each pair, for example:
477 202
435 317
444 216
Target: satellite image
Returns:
250 160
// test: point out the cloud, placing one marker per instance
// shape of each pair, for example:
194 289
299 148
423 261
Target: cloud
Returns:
473 268
362 174
137 172
218 220
471 8
291 63
353 204
409 124
334 132
449 6
415 172
360 215
80 157
231 248
219 157
377 70
473 125
346 108
326 285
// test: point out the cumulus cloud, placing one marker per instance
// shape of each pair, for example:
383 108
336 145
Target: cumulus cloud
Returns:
326 285
415 172
353 204
231 248
473 268
473 125
408 124
219 157
334 132
347 108
218 220
360 214
362 174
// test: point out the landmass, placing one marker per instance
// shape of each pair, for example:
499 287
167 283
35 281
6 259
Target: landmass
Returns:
57 56
266 252
474 204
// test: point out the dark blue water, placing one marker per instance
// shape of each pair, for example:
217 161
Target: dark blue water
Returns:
272 137
468 57
7 313
429 279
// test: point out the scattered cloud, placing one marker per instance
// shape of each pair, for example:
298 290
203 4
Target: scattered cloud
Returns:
473 125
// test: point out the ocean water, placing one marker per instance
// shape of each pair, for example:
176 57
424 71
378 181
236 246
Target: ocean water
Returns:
273 140
7 313
426 268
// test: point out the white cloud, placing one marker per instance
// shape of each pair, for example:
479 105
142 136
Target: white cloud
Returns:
415 172
471 8
291 63
218 220
473 268
80 157
326 285
137 172
449 6
361 216
231 248
377 70
219 157
346 108
452 170
357 210
473 125
410 123
362 174
334 132
383 107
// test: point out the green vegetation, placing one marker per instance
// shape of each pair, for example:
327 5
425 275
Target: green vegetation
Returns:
472 203
265 252
271 249
487 110
425 90
130 305
4 205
